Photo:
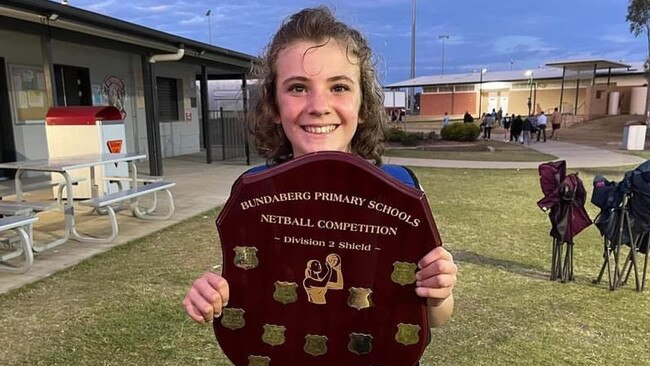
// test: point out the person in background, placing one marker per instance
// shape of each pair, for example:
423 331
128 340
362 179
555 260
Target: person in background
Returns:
541 125
499 117
467 118
526 130
318 91
446 121
516 127
556 123
506 128
488 122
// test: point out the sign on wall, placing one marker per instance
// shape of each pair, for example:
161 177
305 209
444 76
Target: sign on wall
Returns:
29 97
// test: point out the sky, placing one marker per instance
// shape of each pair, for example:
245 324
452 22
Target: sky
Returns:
494 34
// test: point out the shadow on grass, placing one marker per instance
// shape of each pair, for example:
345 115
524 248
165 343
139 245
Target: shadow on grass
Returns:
508 265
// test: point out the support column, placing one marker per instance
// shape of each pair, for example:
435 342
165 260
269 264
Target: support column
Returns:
562 89
245 106
205 115
151 110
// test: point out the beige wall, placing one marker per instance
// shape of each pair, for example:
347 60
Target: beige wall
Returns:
545 99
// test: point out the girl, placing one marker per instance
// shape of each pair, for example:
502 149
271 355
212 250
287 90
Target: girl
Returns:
319 92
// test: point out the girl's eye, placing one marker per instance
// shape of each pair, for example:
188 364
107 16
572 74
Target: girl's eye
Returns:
297 88
340 88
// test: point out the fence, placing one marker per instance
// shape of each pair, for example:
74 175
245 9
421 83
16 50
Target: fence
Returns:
227 134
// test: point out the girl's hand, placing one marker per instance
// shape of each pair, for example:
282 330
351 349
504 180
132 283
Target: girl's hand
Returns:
206 298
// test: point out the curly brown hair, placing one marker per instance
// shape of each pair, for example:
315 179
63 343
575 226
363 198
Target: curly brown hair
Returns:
318 25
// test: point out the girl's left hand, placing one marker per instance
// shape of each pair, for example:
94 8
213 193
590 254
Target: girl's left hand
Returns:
437 275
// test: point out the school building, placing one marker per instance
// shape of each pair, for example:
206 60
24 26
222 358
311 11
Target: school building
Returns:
53 54
582 88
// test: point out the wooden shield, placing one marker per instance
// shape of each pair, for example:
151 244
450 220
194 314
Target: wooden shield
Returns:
320 254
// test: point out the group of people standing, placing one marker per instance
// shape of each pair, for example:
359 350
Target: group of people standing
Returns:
521 130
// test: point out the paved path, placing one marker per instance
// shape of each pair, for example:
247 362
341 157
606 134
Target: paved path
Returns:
576 156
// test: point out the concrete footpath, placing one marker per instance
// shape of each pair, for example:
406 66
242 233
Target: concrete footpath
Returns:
576 156
200 187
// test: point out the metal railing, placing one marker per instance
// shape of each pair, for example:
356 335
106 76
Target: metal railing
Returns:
227 134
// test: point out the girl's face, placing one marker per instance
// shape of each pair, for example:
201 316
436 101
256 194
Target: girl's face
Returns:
318 94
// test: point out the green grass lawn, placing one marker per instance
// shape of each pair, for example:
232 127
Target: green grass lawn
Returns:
476 151
123 307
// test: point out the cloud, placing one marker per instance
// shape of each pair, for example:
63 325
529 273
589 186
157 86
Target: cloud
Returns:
101 7
519 44
154 8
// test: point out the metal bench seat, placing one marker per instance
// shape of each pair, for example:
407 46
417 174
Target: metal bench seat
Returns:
8 187
130 195
13 208
22 226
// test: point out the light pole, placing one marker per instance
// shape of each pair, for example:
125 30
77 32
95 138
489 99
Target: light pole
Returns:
207 14
512 63
529 75
480 91
443 37
411 89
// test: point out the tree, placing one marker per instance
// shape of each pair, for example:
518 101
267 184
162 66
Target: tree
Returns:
638 15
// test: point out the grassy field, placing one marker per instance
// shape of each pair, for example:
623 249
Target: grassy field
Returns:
124 307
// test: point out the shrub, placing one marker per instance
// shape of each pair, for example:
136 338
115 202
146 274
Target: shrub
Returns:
460 132
394 135
411 139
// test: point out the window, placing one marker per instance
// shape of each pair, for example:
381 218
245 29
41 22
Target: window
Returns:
464 88
167 99
445 89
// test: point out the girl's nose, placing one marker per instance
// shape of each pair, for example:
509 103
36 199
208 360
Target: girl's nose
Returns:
318 103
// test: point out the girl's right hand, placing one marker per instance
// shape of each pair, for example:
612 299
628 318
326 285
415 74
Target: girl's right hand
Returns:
206 298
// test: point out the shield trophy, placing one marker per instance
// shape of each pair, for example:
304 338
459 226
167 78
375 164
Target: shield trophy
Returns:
320 254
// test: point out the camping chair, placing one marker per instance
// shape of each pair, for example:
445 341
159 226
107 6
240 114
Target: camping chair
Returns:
638 181
564 198
624 220
616 229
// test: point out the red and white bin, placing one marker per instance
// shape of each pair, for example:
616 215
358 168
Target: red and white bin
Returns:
86 130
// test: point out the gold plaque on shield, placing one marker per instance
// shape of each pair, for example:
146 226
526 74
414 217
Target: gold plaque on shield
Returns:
258 360
359 298
315 345
407 334
285 292
403 273
273 334
246 257
360 343
233 318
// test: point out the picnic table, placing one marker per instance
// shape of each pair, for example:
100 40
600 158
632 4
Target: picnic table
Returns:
63 167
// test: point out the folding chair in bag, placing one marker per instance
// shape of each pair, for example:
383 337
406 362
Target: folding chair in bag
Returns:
564 199
638 182
613 222
624 220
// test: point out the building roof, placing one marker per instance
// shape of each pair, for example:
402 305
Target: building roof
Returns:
514 75
588 64
81 21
